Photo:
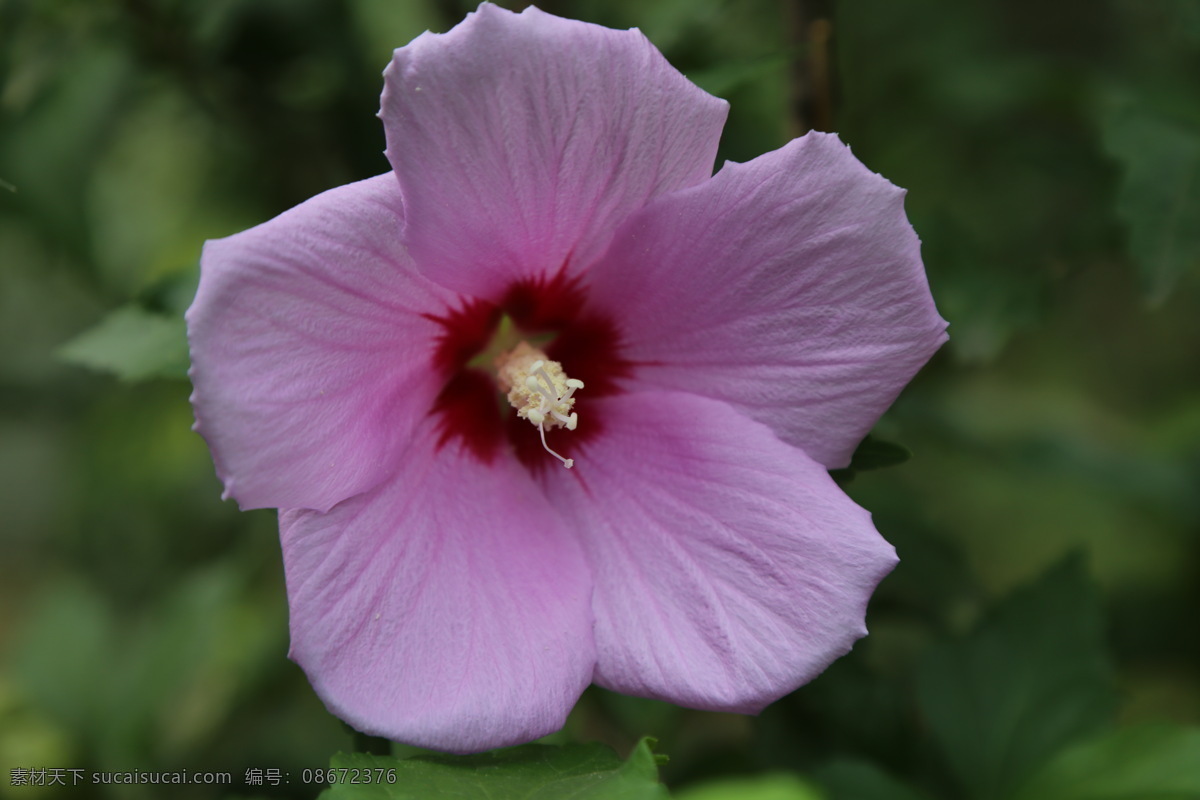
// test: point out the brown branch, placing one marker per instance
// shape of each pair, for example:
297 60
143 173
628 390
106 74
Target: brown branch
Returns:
810 27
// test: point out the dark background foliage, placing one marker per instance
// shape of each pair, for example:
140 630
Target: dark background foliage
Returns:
1038 639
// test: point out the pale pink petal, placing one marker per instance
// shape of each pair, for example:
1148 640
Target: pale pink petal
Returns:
729 568
522 140
790 287
310 357
448 608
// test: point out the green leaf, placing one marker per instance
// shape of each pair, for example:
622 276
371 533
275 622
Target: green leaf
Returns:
530 772
66 643
842 476
1147 762
723 78
871 453
775 786
133 344
1032 678
1159 196
875 453
106 677
853 779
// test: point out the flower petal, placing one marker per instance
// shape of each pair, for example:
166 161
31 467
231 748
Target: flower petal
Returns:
310 357
729 568
790 287
447 608
522 140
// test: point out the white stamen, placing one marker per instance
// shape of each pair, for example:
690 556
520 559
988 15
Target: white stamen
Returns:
551 391
540 392
567 462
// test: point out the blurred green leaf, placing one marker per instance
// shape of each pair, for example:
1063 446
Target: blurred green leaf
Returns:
1159 197
206 644
1033 677
852 779
530 772
65 650
842 476
133 344
723 78
158 684
383 26
151 199
65 93
875 453
28 736
636 714
871 453
1147 762
777 786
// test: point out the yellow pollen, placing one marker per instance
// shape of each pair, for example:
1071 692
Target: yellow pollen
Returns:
539 390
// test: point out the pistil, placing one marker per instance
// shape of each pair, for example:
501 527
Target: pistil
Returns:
539 390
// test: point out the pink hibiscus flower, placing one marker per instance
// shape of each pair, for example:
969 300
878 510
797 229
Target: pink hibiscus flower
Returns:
702 348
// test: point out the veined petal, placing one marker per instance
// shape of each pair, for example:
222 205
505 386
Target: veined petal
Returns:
447 608
522 140
790 287
729 568
310 358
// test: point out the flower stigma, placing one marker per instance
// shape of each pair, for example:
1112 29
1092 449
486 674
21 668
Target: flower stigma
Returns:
539 390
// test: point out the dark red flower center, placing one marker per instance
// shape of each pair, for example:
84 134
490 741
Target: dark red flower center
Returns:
470 407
